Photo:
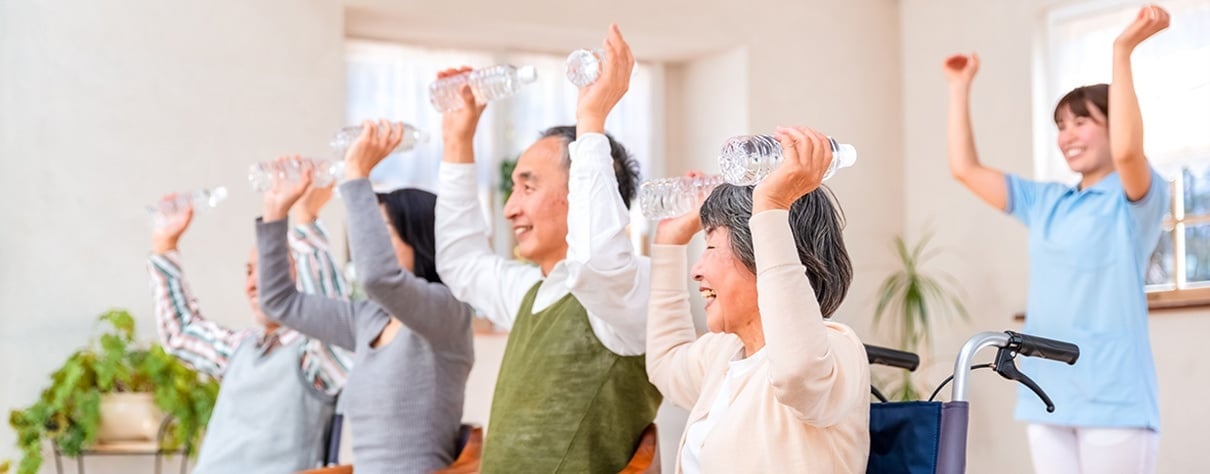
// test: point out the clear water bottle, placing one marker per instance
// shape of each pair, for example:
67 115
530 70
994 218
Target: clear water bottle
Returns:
199 200
262 175
747 159
488 84
584 66
671 197
344 138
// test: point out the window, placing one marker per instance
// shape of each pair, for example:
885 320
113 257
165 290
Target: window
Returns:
1172 81
391 80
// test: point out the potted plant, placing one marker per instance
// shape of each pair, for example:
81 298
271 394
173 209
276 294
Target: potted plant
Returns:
913 301
101 388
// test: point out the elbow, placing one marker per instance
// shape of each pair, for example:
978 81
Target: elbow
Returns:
960 173
378 287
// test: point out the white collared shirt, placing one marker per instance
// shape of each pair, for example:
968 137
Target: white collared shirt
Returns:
601 269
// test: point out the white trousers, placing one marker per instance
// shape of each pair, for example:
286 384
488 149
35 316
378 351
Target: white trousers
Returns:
1073 450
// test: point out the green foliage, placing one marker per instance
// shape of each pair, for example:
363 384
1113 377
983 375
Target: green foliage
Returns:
68 413
916 300
506 177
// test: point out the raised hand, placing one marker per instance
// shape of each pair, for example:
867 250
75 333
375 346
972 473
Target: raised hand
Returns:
284 193
598 99
679 230
1150 20
960 69
170 227
806 156
458 126
376 142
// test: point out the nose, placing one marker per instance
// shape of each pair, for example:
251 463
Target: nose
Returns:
512 207
696 271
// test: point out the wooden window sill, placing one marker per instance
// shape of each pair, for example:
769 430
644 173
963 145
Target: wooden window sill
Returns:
1167 300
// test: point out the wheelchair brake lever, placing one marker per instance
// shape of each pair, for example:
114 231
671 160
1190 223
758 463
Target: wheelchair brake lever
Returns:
1007 368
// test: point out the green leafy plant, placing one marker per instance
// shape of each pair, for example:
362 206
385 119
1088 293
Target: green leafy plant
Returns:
68 412
914 301
506 177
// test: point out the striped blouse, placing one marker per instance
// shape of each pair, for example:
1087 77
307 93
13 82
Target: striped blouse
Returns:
206 345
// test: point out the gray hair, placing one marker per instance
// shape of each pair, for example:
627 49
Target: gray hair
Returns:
625 167
817 223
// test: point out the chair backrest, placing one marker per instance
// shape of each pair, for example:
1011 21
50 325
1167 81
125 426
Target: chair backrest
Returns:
470 448
646 458
335 427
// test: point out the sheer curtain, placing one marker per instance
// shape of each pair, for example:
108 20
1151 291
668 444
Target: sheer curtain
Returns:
1171 72
391 80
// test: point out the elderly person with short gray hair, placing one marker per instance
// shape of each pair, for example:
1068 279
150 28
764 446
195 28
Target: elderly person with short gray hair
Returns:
776 386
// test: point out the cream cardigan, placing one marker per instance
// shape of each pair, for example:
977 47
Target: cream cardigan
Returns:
805 408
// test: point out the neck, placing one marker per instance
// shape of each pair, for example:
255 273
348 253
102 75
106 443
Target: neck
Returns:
1091 178
548 264
753 337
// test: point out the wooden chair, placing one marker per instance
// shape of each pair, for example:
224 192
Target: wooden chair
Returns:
341 469
646 458
470 450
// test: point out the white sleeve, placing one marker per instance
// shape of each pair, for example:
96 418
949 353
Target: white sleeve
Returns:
492 284
604 273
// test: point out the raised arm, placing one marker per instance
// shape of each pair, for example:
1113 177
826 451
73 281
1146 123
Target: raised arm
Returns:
318 272
428 308
604 273
465 261
676 358
327 366
327 319
986 183
817 368
1125 118
184 333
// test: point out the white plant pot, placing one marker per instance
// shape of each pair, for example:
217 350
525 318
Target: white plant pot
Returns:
129 417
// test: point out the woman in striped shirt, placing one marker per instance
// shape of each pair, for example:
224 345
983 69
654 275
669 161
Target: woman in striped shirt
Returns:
278 386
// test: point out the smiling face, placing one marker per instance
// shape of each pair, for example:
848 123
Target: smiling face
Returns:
1084 140
728 287
537 208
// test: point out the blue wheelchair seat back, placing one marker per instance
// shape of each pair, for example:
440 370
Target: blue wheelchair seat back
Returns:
918 437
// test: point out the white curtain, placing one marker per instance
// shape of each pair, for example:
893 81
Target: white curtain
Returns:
1171 72
391 80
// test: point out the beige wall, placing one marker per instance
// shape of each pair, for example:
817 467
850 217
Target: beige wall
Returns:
108 104
985 250
102 107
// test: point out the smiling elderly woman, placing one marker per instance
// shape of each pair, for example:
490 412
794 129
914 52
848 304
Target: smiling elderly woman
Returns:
775 386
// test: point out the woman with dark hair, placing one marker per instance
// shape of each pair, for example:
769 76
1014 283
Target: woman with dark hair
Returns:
409 212
776 386
412 339
1089 245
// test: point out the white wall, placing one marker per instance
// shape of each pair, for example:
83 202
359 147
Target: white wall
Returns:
985 250
106 106
103 107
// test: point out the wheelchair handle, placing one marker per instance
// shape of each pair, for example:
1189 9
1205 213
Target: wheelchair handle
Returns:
1023 344
891 357
1034 346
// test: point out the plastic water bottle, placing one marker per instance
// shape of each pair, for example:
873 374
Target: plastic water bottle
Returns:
747 159
671 197
584 66
488 84
262 175
199 200
344 138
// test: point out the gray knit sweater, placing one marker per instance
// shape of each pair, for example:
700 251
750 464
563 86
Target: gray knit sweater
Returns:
404 399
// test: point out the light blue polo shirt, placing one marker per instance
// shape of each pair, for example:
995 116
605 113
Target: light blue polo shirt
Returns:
1088 251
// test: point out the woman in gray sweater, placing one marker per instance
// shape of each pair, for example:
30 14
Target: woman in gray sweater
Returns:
412 339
